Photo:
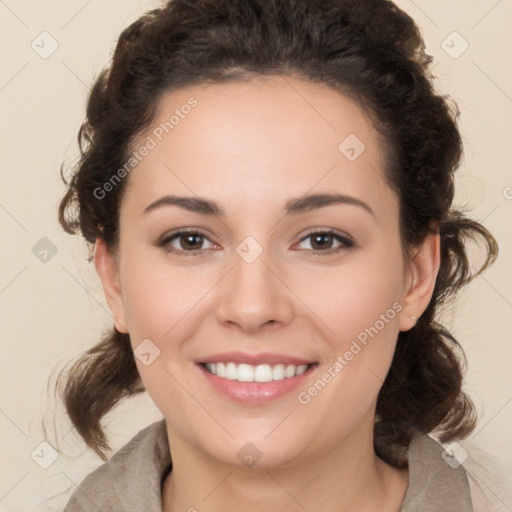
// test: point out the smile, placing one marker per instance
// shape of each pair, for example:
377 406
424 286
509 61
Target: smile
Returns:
256 384
255 373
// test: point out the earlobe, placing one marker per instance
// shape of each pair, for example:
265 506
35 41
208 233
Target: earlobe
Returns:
107 269
423 270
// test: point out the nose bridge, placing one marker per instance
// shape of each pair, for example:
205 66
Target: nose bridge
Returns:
251 263
253 295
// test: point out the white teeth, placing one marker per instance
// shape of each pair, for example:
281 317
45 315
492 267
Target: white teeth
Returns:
301 369
245 373
289 371
278 372
231 371
261 373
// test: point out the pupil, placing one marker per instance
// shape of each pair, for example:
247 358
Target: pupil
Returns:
191 237
324 237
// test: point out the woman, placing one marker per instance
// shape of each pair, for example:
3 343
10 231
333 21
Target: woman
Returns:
267 186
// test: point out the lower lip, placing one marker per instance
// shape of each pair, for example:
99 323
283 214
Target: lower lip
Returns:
256 392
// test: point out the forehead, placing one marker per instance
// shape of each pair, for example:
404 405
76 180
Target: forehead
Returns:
258 142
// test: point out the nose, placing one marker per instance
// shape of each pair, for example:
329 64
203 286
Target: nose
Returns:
255 296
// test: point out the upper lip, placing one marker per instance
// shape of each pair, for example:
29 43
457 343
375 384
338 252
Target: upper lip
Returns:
254 359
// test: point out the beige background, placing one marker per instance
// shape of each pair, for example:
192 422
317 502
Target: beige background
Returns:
52 311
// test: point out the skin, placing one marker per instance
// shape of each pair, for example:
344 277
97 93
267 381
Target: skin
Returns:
251 146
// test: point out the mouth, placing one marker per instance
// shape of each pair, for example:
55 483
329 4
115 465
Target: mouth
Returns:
256 384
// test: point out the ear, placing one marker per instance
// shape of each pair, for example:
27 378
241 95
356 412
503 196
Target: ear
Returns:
107 268
421 278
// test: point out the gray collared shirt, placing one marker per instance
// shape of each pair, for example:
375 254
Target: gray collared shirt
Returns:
131 480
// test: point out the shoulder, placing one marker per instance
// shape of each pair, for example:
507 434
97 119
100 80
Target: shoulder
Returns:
456 476
437 479
96 490
490 480
132 475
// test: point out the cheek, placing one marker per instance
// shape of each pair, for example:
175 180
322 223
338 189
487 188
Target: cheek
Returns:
158 296
357 309
352 298
164 304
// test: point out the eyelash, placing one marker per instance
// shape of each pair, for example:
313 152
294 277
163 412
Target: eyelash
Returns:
166 239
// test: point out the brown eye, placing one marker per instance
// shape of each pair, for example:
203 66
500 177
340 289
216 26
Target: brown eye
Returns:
183 242
322 241
191 241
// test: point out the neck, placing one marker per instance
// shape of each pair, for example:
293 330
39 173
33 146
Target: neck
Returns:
349 476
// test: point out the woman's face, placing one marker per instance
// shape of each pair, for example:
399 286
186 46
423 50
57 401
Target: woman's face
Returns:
260 278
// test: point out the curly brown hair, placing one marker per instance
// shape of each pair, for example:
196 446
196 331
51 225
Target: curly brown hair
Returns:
369 50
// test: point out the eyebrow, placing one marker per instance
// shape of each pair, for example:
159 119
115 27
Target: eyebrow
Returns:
293 206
